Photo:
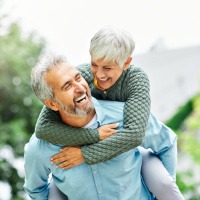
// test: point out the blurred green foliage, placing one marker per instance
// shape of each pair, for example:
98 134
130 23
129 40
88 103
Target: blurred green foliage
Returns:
188 131
182 113
18 106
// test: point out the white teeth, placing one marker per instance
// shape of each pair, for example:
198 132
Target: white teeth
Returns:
80 98
102 79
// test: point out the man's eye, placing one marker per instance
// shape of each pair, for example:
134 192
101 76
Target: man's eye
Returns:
67 86
78 78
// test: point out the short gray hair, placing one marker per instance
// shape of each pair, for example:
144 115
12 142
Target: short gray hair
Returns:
112 44
40 87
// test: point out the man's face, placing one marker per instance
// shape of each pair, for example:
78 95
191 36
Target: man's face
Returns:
71 91
106 73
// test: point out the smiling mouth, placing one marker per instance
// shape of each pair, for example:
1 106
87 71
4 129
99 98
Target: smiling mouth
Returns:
103 80
80 99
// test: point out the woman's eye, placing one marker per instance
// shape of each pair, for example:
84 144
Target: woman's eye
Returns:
93 65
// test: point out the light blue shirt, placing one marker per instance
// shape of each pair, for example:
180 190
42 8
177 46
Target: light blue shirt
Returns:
116 179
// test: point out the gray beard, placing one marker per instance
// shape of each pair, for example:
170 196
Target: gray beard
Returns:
76 112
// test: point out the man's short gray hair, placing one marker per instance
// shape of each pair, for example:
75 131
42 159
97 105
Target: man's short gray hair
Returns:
112 44
40 87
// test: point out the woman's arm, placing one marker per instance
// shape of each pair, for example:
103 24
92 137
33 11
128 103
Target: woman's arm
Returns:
136 115
50 128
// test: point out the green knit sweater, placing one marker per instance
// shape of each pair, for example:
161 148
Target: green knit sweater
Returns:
132 88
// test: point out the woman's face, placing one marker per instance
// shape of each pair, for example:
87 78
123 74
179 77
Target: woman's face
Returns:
106 73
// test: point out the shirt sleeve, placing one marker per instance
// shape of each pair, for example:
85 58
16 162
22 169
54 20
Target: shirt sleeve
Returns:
163 141
136 115
50 128
36 175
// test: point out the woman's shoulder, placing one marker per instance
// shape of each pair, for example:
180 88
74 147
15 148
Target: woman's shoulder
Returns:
134 69
132 72
86 72
83 67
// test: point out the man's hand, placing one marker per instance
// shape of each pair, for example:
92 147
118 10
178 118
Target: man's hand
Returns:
68 157
107 130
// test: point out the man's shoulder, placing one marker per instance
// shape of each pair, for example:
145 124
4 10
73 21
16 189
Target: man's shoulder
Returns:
31 148
35 144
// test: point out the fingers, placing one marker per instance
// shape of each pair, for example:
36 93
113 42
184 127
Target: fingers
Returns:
115 125
65 165
59 159
106 131
68 157
69 164
59 156
112 128
64 149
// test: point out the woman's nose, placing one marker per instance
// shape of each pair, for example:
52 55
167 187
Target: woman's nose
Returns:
100 73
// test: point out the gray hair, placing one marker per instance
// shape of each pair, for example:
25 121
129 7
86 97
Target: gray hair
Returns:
112 44
40 87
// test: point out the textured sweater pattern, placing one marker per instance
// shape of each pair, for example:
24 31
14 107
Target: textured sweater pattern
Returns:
132 88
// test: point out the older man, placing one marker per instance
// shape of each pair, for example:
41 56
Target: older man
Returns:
62 88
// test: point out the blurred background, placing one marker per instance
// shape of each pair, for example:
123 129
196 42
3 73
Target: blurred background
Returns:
167 36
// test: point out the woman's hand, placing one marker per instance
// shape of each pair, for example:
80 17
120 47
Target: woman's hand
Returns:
68 157
107 130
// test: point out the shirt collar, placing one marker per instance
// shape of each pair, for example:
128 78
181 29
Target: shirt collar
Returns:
99 111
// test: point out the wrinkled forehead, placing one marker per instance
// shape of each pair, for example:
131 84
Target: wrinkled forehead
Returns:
64 69
60 73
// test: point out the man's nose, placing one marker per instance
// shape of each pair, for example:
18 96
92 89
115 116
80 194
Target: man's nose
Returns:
79 87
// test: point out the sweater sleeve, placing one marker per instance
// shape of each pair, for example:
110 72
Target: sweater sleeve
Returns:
136 115
50 128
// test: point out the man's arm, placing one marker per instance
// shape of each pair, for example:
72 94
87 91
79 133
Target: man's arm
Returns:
163 141
36 174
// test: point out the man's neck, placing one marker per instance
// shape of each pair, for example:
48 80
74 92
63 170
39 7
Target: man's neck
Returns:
77 121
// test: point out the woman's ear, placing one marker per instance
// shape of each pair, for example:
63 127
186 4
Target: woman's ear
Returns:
127 63
53 105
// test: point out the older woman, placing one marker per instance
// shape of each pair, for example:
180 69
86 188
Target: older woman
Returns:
112 77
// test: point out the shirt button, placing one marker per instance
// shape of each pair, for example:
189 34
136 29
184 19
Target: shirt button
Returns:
100 191
104 92
95 172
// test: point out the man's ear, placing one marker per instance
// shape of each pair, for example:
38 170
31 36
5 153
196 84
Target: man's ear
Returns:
51 104
127 63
